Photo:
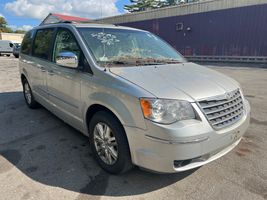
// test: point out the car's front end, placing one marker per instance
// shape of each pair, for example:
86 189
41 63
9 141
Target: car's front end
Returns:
190 143
196 116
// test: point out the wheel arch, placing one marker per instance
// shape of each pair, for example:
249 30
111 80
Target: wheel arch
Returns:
23 77
93 109
125 108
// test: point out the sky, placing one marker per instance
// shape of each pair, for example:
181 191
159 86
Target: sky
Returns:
25 14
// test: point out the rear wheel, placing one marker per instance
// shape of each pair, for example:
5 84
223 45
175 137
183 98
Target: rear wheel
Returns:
29 99
8 55
109 143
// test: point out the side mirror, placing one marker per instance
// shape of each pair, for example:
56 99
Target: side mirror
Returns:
11 45
67 59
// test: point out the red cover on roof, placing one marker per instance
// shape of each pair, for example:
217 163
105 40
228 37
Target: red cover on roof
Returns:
69 18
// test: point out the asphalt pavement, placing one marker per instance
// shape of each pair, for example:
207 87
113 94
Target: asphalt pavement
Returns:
43 158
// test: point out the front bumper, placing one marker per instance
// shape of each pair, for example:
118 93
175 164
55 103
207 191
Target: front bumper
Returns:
184 145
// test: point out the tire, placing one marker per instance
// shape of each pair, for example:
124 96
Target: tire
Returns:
28 96
16 56
8 55
117 143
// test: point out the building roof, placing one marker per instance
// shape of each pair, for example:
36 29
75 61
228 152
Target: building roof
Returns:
56 17
195 7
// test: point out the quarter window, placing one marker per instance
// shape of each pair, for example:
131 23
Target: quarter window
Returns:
42 43
66 42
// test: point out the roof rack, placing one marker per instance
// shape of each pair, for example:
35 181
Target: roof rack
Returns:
77 22
73 22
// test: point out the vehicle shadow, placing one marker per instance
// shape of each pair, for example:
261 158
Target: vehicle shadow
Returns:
49 151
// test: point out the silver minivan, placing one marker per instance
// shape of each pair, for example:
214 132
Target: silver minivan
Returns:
139 101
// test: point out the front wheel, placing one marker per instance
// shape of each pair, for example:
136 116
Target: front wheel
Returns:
109 143
29 99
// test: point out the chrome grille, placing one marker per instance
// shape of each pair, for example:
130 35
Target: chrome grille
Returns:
223 111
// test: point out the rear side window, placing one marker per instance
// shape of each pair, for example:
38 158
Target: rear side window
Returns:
42 43
26 43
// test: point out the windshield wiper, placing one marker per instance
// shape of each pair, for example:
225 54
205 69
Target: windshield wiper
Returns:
169 61
131 63
118 62
149 63
115 62
140 62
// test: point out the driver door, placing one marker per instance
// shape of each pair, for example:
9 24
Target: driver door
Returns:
64 83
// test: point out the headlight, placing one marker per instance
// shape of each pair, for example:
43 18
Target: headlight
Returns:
166 111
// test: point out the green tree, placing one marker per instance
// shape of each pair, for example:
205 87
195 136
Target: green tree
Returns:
20 31
177 2
3 26
3 22
165 3
141 5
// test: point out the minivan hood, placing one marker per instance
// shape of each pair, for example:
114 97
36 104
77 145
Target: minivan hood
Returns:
185 81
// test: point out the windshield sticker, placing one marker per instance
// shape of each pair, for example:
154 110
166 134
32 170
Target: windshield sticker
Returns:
103 59
106 38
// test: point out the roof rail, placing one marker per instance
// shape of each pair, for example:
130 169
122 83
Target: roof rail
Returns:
74 22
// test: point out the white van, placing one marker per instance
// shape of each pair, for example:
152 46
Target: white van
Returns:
6 47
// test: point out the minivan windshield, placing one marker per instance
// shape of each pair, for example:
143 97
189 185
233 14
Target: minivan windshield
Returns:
122 47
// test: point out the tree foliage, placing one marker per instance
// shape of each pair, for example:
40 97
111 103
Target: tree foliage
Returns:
142 5
3 26
20 31
5 29
3 21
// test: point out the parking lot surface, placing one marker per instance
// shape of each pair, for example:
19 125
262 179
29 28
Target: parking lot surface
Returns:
43 158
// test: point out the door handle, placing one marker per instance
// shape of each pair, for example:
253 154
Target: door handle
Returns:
51 72
42 69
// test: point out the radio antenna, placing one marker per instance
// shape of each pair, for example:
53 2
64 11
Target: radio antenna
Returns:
101 9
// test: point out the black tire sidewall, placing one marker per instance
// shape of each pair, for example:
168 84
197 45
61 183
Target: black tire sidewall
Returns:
123 162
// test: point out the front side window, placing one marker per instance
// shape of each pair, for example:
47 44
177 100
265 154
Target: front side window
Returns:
66 43
26 43
128 47
42 43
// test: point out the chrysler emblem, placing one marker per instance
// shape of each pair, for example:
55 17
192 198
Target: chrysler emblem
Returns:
228 96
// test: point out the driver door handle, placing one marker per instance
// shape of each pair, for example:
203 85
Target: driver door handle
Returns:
51 72
42 69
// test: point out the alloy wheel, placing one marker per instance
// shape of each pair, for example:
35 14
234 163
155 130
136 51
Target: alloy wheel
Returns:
105 143
27 93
